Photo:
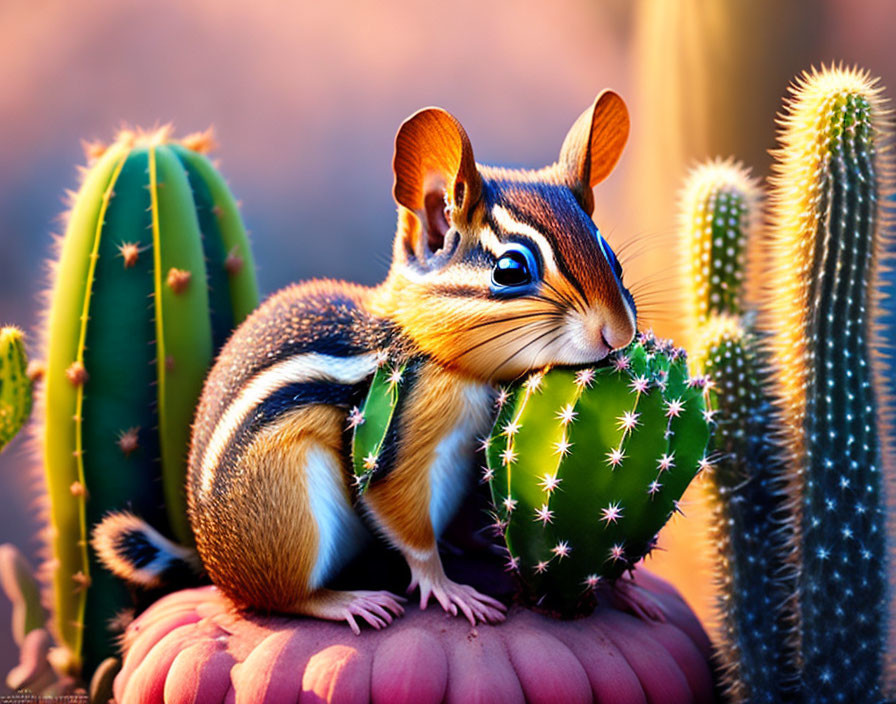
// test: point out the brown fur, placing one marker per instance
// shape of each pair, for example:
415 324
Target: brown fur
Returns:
263 554
400 502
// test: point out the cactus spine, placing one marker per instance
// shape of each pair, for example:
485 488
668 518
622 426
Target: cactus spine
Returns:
15 386
586 466
818 307
145 288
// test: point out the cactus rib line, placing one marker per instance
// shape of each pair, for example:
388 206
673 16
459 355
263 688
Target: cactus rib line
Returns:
157 295
79 395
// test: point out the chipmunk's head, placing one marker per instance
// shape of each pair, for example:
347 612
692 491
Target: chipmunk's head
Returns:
497 271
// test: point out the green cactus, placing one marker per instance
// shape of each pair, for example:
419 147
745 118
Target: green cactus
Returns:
585 466
719 212
823 254
15 384
372 421
154 272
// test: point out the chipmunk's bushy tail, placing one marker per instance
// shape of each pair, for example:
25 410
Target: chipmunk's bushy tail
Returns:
136 552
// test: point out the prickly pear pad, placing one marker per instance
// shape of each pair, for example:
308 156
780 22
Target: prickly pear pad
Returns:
586 465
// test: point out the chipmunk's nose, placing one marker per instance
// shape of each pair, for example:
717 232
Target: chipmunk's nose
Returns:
603 332
600 332
618 335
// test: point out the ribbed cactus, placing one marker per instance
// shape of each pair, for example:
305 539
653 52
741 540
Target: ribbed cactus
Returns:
820 297
154 272
15 386
585 466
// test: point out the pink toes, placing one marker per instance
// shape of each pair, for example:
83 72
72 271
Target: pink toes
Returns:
454 597
376 608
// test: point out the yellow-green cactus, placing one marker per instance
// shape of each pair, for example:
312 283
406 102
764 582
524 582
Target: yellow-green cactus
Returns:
15 385
719 213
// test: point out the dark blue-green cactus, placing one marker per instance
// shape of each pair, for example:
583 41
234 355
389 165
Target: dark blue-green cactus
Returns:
820 302
585 466
752 529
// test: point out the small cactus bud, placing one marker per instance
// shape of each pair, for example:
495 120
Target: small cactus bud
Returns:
81 580
178 280
201 142
77 374
35 370
93 150
129 251
234 263
129 440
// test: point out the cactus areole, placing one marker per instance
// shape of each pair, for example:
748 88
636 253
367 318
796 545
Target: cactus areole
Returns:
586 465
142 296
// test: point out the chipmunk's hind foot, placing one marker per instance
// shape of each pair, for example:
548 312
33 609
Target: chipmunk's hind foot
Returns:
376 608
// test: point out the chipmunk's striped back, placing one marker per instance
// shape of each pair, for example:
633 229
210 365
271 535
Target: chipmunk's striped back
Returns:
309 344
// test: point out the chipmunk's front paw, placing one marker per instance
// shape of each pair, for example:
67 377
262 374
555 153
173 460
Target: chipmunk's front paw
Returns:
453 596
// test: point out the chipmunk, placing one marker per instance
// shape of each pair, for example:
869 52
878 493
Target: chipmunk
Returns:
495 272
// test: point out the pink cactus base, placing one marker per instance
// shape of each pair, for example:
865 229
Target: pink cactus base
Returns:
192 646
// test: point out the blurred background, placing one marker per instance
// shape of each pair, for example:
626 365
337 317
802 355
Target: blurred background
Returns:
305 100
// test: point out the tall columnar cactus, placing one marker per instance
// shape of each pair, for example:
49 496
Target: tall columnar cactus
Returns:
15 385
821 295
720 213
154 271
585 466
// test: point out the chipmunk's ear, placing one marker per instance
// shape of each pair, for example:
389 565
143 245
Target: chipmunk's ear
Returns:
593 145
435 178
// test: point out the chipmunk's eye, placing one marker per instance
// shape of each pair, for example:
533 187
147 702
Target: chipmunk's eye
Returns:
515 268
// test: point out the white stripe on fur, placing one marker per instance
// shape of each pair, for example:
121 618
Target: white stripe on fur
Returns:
450 471
300 368
510 224
339 530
